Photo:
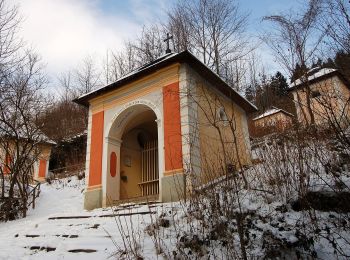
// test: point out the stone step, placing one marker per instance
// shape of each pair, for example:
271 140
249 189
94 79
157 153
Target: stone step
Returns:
64 236
103 215
42 248
67 236
32 236
142 200
127 214
69 217
82 251
50 249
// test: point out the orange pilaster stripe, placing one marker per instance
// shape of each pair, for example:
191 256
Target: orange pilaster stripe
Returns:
172 127
95 173
42 169
7 169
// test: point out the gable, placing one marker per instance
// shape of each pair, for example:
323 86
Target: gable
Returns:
163 62
153 82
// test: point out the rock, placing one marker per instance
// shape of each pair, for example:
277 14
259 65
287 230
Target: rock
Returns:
163 222
324 201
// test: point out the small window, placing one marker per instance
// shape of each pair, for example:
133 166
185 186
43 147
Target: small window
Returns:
222 114
315 94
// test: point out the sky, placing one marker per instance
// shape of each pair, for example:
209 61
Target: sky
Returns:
63 32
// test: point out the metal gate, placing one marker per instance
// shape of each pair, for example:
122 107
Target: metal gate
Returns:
149 167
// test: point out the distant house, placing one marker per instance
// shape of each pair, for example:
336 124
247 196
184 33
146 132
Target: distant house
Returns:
329 93
41 167
41 154
272 120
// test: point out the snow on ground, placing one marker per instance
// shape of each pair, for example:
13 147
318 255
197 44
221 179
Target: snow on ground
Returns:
52 201
37 230
59 228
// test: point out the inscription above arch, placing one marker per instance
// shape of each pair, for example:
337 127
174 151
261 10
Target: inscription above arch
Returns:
119 118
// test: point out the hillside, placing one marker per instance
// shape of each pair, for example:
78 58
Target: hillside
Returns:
296 205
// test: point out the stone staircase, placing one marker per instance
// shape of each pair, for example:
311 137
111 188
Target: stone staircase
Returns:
142 200
93 234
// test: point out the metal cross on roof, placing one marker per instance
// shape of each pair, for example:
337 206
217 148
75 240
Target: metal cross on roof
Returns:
167 40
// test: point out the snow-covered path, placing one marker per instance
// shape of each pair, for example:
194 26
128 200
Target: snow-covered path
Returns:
42 236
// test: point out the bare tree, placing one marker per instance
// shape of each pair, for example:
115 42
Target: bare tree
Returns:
87 76
64 119
9 41
21 104
335 22
149 45
66 85
20 132
295 40
180 28
214 31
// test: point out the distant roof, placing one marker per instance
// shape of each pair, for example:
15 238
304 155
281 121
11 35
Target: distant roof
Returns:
271 111
38 136
166 60
75 137
319 75
47 140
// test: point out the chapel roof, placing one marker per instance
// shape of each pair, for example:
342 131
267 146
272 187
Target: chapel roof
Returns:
273 110
166 60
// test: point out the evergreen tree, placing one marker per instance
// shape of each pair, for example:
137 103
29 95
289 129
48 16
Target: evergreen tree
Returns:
279 84
273 91
342 63
298 72
329 64
250 93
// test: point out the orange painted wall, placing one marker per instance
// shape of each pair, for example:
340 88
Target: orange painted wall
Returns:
42 169
172 127
7 169
95 174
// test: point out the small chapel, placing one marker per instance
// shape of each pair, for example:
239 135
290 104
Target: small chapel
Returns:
162 131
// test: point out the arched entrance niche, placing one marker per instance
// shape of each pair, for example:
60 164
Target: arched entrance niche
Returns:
133 164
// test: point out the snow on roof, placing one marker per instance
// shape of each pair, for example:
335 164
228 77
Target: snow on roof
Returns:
74 137
47 140
184 56
271 111
23 133
316 75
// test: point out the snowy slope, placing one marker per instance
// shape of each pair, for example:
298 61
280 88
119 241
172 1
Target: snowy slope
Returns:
59 228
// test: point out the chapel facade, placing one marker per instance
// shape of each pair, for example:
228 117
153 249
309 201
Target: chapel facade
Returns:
162 131
328 92
273 120
40 169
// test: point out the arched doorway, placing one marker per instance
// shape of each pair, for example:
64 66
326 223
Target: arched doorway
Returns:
139 175
133 155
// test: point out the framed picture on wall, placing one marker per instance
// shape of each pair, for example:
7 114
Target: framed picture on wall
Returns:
127 161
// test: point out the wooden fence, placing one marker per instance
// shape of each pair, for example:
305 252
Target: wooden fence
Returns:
150 171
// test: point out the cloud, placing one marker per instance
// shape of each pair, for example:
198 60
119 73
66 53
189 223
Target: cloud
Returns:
64 32
149 11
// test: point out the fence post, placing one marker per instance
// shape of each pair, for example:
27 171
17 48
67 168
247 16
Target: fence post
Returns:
34 198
